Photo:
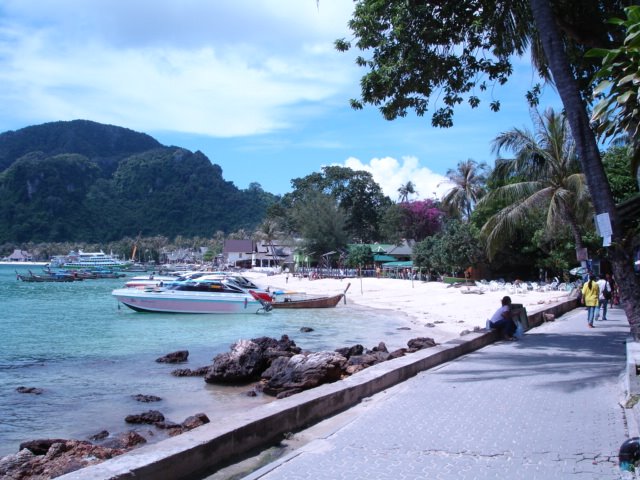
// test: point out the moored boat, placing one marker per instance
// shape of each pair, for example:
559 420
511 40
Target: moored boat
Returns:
317 302
197 296
150 281
87 261
32 277
311 302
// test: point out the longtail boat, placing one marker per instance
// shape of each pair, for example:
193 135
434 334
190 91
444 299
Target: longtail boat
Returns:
316 302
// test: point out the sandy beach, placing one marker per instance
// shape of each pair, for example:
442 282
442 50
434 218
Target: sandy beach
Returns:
429 309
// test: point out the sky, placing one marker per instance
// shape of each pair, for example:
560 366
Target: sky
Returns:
256 85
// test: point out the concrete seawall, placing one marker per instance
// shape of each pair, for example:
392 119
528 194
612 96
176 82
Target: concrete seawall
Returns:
227 439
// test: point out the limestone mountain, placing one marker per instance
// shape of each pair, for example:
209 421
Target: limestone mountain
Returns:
85 181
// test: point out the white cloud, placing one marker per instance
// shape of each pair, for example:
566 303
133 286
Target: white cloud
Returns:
390 174
214 68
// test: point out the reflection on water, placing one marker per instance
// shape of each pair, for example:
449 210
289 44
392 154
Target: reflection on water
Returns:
90 356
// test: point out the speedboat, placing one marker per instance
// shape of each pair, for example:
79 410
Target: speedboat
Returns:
194 296
151 280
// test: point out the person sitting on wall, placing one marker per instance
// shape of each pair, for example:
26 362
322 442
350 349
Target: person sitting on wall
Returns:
502 320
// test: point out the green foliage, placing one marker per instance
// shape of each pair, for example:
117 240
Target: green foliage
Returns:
106 144
357 194
454 249
617 166
110 193
616 113
359 256
391 224
322 224
457 51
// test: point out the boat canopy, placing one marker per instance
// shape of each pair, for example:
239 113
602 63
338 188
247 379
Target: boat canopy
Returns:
408 264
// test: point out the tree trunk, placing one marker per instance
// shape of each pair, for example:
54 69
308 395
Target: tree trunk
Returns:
587 148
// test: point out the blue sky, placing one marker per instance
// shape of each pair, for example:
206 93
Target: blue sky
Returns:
256 85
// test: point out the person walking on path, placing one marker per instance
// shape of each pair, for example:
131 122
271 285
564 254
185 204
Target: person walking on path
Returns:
502 320
590 294
615 297
603 298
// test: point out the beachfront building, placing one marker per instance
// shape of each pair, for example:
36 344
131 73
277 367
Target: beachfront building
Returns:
272 255
388 252
181 256
19 256
237 253
261 255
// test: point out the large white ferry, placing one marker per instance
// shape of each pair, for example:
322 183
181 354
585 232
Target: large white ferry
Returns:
88 261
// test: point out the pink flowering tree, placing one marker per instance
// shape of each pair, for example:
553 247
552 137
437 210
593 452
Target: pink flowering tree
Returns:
420 219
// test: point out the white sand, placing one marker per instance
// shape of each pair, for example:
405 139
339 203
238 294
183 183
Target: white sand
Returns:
432 309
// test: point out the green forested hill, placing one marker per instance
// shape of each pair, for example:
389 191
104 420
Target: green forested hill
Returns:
84 181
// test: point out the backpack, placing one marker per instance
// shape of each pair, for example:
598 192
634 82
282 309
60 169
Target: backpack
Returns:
607 291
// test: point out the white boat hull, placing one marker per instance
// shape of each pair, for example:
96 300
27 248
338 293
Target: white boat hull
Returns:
171 301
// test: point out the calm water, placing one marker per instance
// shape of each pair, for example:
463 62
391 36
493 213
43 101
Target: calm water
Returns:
89 356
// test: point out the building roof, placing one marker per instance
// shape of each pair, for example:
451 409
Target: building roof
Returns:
234 246
18 255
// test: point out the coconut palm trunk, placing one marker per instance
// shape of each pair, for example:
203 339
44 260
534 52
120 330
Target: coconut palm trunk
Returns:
588 152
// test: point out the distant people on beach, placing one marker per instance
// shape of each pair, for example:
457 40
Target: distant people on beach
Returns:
590 295
502 320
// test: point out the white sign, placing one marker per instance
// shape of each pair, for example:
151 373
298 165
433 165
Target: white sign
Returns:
603 226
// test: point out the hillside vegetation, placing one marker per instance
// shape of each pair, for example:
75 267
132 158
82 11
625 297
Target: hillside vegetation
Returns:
84 181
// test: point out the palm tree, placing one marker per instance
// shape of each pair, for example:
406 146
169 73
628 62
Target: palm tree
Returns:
468 188
268 231
405 190
544 175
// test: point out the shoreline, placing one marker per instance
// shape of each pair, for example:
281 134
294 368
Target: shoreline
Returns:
27 264
429 309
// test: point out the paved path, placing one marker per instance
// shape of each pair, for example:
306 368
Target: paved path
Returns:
546 407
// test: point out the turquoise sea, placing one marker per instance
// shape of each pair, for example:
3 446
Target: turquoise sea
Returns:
89 356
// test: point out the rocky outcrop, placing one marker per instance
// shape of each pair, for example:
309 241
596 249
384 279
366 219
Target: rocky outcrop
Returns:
187 372
189 423
248 359
124 441
194 421
149 417
287 376
40 446
48 458
349 352
420 343
180 356
62 456
32 390
145 398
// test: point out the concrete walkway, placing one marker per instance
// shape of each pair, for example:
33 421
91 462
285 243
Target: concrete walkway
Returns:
547 407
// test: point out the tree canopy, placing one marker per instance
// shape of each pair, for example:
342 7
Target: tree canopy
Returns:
455 51
356 193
